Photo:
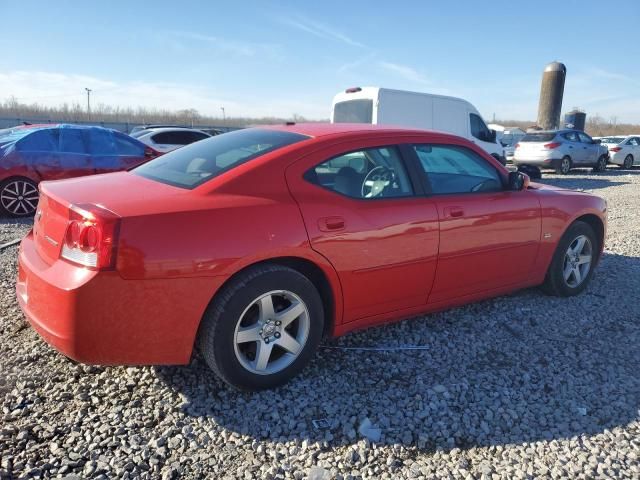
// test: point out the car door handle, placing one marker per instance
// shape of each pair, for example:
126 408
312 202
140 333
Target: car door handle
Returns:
453 212
331 224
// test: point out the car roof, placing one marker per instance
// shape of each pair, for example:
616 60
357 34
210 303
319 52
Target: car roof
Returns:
325 129
171 129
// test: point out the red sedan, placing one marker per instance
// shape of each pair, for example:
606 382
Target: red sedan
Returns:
254 244
30 154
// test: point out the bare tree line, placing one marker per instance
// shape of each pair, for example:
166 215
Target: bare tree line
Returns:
596 126
76 112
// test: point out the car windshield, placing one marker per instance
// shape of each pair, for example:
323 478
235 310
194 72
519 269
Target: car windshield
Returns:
615 140
199 162
10 135
353 111
538 137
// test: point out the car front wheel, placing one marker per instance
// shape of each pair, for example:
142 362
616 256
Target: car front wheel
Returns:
18 197
262 328
572 265
601 165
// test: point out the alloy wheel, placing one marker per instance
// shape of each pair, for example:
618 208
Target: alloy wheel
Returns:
565 166
19 197
271 332
577 261
628 162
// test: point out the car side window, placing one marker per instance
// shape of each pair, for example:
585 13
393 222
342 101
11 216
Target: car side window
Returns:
584 138
478 128
367 174
72 140
46 140
633 141
453 169
571 136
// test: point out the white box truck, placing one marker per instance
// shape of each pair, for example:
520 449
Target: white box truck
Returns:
384 106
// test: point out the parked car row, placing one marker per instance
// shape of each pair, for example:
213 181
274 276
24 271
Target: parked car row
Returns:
624 151
560 150
31 154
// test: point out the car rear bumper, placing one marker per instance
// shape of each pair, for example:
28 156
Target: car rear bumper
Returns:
538 162
101 318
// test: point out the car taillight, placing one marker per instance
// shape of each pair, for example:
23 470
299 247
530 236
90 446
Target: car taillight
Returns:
91 237
517 146
615 149
552 145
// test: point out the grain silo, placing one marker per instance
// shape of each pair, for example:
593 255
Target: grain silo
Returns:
551 92
575 119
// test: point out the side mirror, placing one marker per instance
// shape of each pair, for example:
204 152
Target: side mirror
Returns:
518 181
492 136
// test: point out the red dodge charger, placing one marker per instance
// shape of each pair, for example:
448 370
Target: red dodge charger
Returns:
254 244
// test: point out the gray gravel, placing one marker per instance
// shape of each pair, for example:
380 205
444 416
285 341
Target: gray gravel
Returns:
523 386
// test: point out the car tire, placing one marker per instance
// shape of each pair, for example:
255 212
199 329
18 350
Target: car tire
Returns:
564 166
566 276
628 162
239 329
601 164
18 197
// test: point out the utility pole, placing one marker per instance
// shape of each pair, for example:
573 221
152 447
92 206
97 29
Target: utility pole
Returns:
88 102
224 117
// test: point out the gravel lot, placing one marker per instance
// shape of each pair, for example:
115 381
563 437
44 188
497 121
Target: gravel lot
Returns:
523 386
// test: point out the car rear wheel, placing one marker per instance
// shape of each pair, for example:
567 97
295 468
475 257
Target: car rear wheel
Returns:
18 197
572 264
601 164
628 162
564 166
262 328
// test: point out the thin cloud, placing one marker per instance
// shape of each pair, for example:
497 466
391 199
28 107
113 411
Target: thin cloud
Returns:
319 30
404 71
55 89
359 62
245 49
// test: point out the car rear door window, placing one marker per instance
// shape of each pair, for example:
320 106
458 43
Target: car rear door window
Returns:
454 169
72 140
366 174
571 136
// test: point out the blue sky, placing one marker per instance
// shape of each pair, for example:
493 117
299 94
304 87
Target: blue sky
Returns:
260 58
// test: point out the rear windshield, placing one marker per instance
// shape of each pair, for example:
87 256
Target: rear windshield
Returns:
199 162
353 111
611 139
538 137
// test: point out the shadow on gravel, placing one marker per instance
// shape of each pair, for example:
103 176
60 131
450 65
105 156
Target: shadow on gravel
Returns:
581 183
520 368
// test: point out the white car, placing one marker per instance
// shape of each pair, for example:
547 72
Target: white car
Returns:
385 106
166 139
624 151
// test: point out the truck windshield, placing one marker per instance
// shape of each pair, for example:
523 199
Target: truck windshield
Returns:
353 111
194 164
